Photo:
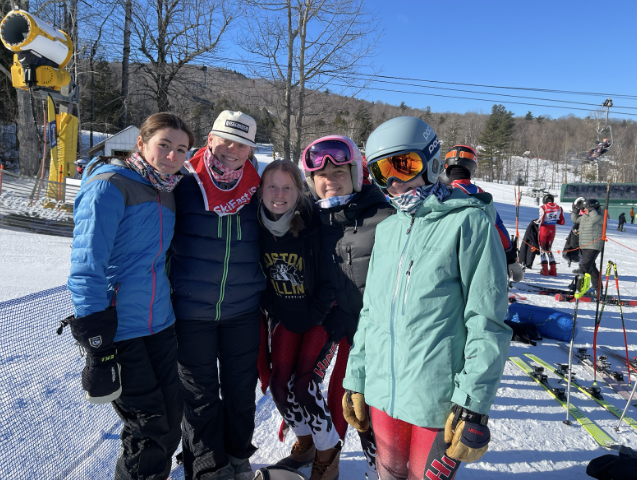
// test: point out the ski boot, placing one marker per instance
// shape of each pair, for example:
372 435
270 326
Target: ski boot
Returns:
552 267
302 454
544 270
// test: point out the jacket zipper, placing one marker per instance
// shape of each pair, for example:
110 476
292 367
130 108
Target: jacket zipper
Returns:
407 286
152 267
226 261
391 317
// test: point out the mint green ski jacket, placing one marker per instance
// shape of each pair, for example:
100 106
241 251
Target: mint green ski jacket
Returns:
431 331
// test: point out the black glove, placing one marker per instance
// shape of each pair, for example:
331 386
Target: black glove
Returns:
101 375
468 434
334 326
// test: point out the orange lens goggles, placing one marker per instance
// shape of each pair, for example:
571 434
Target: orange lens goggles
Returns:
467 155
403 167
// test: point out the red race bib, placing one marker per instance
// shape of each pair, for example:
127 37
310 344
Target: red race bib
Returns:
223 202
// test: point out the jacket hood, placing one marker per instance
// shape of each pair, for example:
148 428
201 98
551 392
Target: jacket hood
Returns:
456 201
118 167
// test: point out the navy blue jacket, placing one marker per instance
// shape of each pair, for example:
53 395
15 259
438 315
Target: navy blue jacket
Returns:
214 265
123 227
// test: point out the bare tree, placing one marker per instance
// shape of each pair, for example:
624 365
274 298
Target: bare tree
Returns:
307 45
128 15
168 34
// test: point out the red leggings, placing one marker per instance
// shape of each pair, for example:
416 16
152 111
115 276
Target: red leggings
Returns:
298 360
335 394
546 237
406 451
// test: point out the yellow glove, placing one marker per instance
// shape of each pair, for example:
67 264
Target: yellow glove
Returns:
355 410
468 434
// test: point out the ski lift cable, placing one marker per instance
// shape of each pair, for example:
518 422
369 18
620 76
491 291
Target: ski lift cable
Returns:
389 77
484 99
230 61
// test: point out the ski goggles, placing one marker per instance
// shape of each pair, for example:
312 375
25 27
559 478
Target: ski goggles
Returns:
401 166
462 152
316 155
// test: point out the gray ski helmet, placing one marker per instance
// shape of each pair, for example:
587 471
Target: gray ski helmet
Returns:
278 472
403 134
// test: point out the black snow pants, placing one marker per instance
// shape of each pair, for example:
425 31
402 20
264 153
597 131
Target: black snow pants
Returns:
219 403
150 406
588 265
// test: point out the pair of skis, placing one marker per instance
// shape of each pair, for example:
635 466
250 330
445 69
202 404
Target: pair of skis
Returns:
599 435
560 297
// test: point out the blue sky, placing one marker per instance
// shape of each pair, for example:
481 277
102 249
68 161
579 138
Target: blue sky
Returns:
561 44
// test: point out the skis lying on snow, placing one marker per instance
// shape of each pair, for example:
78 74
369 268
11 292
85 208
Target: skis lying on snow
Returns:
539 289
592 392
633 361
614 379
599 435
562 297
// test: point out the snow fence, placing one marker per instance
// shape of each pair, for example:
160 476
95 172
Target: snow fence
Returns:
48 430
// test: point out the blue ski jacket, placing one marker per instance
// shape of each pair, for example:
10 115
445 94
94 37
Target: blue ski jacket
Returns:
123 227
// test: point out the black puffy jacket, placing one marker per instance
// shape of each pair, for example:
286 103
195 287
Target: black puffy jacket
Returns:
295 293
214 266
347 234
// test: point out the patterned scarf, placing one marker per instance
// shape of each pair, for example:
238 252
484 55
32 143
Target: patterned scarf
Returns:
220 173
334 201
410 201
164 182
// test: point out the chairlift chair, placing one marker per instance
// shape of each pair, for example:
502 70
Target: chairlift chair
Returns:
602 148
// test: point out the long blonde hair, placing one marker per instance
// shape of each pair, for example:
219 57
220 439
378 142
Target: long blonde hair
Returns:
303 203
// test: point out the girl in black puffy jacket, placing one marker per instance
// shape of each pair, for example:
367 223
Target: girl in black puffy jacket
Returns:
296 301
349 211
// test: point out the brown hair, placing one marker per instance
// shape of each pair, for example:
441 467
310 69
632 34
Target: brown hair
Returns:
303 203
160 121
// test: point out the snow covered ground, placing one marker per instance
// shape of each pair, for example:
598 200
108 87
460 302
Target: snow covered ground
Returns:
529 439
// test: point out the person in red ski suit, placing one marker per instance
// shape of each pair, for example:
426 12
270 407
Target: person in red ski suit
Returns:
550 215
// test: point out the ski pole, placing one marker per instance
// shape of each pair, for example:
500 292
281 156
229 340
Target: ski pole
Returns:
627 403
582 284
598 322
621 314
601 262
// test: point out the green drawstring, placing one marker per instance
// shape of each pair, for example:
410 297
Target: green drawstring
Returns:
238 226
219 227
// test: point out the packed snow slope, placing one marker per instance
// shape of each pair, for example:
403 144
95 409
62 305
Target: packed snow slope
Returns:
529 439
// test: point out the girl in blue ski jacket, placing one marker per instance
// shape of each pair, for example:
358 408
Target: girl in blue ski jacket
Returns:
124 221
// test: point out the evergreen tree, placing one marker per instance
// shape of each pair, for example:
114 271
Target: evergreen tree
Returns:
363 119
496 140
529 116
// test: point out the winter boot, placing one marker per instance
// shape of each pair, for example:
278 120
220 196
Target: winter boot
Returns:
552 270
303 453
242 468
578 270
545 270
328 470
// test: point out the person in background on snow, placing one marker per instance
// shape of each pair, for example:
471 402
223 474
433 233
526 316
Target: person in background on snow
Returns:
550 215
217 284
80 165
124 221
460 165
632 215
586 214
622 221
349 213
431 343
296 301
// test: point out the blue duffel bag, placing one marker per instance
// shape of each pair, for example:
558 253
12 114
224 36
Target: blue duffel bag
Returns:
549 322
